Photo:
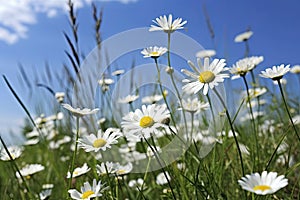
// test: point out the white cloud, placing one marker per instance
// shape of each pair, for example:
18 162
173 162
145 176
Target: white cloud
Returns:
17 15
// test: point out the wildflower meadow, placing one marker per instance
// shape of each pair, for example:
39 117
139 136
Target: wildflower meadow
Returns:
174 128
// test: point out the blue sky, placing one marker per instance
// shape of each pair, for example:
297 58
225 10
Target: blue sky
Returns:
31 34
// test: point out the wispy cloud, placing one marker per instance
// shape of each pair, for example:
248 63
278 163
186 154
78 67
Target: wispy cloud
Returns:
17 15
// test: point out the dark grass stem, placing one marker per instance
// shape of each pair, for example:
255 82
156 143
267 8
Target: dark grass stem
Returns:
160 164
287 109
232 129
162 92
75 152
174 84
252 118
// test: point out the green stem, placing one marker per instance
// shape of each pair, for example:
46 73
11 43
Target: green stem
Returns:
252 118
75 152
159 162
232 129
287 109
174 84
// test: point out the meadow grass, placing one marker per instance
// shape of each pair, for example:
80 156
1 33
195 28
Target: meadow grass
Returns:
217 146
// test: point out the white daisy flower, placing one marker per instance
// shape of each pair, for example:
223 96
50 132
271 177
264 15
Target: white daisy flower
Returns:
143 123
241 67
118 72
30 169
137 184
266 183
128 99
77 112
87 191
79 171
123 169
101 141
44 194
154 52
295 69
255 92
167 24
283 81
161 178
276 72
14 151
105 81
207 76
152 99
205 53
193 105
106 168
60 96
243 36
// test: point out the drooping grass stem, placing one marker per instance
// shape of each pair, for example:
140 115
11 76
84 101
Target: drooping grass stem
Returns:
287 109
75 152
232 129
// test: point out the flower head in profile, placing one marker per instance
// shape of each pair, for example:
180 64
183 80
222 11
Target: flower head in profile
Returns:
77 112
193 105
88 191
101 141
118 72
266 183
79 171
154 52
207 76
144 122
14 151
205 53
167 24
243 36
295 69
30 169
276 72
128 99
241 67
161 178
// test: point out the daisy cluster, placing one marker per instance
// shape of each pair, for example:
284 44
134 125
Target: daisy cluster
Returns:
59 161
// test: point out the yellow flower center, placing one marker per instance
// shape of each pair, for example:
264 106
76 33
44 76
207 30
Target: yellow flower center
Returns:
146 121
206 77
262 187
86 194
121 171
154 54
99 143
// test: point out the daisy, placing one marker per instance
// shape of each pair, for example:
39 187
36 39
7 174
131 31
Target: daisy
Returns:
44 194
167 24
243 36
266 183
143 123
14 151
205 53
106 168
30 169
87 191
208 76
128 99
60 96
154 52
295 69
79 171
241 67
152 99
118 72
283 81
101 141
256 92
276 72
77 112
161 178
193 105
123 169
137 184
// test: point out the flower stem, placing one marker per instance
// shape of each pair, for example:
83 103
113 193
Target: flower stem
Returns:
252 118
287 109
75 152
232 129
159 162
